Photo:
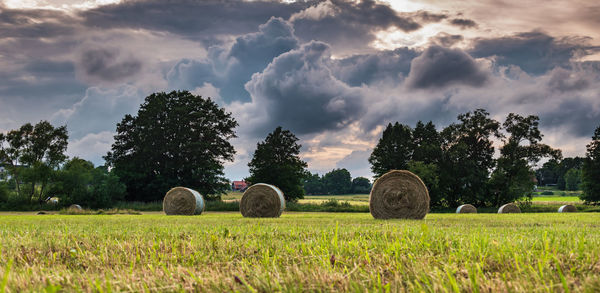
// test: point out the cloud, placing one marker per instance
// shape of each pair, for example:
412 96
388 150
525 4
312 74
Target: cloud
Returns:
299 92
108 65
230 68
438 67
349 26
383 66
446 40
91 147
463 23
99 110
535 52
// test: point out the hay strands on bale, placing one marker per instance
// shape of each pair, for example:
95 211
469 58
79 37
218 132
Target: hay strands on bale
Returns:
183 201
466 209
568 208
399 194
262 201
509 208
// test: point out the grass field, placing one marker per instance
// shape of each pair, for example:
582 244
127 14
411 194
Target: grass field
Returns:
300 252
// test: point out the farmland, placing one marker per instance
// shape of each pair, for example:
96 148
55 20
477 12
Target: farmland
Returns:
300 252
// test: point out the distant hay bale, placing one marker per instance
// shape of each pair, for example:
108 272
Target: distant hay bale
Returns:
509 208
399 194
75 207
183 201
262 201
568 208
466 209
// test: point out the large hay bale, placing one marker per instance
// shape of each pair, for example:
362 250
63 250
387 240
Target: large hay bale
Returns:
399 194
509 208
466 209
183 201
262 201
568 208
75 207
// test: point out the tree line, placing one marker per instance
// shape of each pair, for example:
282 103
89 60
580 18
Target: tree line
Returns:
180 139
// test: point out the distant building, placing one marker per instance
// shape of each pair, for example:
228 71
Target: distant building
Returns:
239 185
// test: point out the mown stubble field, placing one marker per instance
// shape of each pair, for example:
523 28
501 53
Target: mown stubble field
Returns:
300 252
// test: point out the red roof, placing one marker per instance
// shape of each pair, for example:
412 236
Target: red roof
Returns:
239 184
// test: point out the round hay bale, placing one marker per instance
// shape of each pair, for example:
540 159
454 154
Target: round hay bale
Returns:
75 207
262 201
399 194
568 208
466 209
509 208
183 201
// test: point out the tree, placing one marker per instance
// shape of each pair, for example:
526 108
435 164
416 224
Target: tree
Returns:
337 181
548 173
79 182
468 158
565 165
313 184
276 161
513 177
427 143
573 179
429 173
176 139
590 172
31 154
361 185
393 151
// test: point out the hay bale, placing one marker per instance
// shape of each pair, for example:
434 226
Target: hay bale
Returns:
399 194
466 209
183 201
262 201
75 207
568 208
509 208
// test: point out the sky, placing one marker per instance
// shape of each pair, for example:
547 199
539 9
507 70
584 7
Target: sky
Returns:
334 72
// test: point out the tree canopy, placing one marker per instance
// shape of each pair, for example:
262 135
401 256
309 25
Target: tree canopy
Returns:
394 149
176 139
276 161
590 173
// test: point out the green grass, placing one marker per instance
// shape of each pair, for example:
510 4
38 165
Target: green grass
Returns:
557 198
300 252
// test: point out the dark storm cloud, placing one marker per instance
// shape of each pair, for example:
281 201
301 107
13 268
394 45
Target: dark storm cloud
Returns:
190 18
387 66
428 17
577 115
230 68
445 39
439 66
534 52
35 23
107 64
349 25
298 91
463 23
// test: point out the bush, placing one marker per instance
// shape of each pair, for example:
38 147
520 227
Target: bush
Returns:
547 193
3 193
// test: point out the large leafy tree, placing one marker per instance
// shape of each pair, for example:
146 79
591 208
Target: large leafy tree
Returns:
590 173
338 181
276 161
513 177
468 158
393 151
31 154
176 139
427 143
361 185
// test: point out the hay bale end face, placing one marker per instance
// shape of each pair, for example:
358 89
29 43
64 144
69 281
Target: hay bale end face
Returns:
568 208
399 194
466 209
75 207
183 201
262 201
509 208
